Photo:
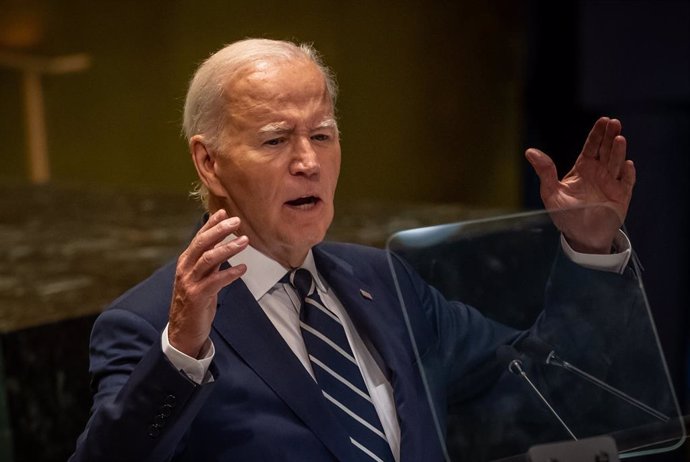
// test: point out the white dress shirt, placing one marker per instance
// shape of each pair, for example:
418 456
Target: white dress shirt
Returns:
281 304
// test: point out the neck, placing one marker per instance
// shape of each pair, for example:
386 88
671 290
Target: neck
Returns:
289 258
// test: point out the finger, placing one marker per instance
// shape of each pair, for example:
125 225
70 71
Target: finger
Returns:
613 129
211 285
213 220
210 260
617 157
593 141
206 240
222 278
545 170
628 175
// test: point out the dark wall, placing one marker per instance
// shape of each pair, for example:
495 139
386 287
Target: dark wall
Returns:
431 89
629 60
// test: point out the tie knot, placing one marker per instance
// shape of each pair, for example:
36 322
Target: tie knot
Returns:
302 280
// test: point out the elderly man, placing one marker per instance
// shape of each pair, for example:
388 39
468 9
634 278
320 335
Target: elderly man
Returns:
235 354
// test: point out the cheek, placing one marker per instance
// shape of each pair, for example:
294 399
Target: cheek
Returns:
248 181
334 170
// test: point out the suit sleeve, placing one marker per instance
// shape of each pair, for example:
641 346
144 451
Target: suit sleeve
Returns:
486 408
142 405
456 344
580 304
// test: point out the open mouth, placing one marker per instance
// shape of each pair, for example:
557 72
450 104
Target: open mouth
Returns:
304 202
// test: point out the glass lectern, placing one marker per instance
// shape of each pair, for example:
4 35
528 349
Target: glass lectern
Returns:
584 359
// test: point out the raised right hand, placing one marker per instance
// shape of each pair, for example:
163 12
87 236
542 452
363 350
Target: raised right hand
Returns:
198 280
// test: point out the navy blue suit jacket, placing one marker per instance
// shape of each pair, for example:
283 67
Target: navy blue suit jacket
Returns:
263 404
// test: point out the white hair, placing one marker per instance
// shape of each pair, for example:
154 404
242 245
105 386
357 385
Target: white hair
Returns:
205 109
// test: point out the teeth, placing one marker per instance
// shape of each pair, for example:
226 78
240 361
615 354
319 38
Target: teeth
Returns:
305 206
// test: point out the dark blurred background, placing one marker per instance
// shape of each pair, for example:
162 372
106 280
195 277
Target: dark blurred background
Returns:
439 100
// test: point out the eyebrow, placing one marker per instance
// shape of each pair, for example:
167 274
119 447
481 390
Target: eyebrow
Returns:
275 127
282 127
327 123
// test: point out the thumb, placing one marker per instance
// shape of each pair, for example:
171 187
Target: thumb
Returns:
544 168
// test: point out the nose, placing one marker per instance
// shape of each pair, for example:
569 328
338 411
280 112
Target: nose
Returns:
305 159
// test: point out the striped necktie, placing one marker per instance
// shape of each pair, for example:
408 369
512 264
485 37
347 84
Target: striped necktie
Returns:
337 372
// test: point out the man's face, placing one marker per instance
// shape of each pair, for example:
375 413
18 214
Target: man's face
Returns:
279 157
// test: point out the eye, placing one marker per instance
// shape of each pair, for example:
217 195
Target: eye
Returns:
274 142
320 137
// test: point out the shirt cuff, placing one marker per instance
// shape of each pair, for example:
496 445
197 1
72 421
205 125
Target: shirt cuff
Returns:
614 262
195 369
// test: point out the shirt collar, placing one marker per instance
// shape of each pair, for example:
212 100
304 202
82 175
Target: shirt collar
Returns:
263 272
310 265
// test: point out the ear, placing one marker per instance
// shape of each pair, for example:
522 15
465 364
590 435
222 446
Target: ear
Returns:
204 159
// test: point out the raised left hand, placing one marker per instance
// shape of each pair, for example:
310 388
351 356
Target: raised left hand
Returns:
590 203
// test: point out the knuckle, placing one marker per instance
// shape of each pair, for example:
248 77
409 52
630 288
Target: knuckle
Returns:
190 296
180 280
198 243
181 261
192 292
207 258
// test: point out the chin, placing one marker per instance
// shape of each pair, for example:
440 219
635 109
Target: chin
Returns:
305 238
310 240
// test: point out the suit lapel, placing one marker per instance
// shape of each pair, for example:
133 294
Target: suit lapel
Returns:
241 322
361 302
377 317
